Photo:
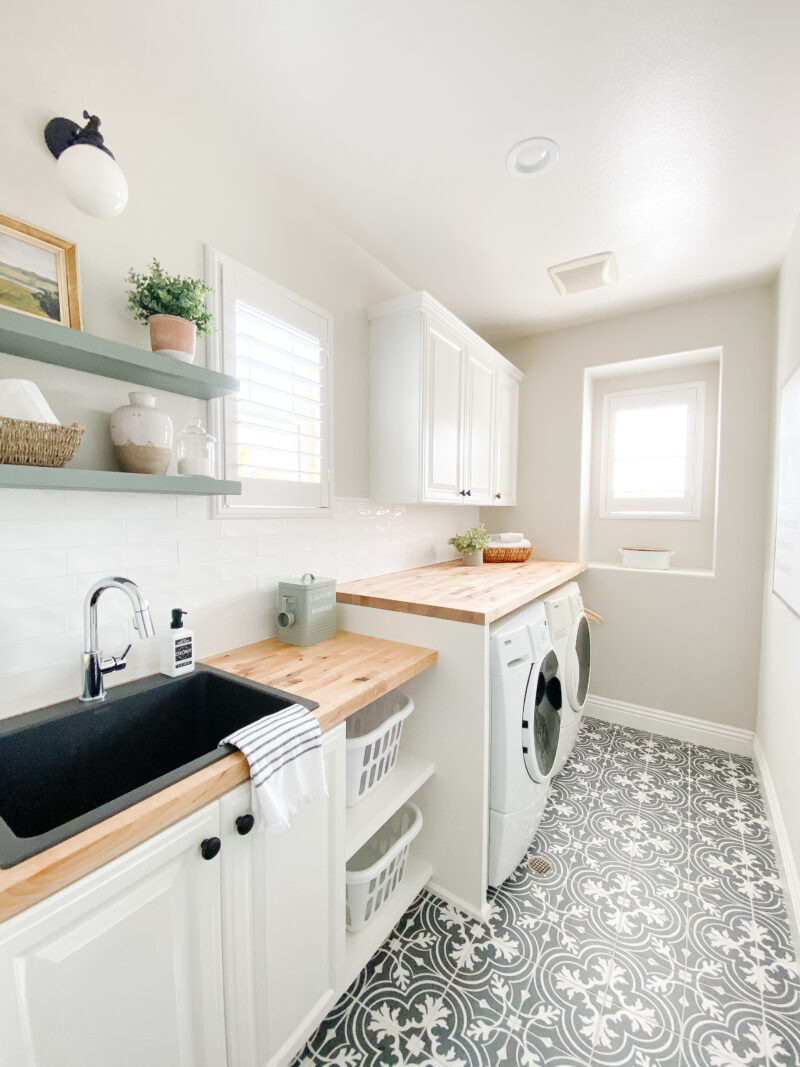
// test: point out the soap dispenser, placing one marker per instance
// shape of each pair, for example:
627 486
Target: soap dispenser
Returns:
177 647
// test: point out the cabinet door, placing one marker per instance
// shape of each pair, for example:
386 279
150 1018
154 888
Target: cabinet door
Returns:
478 429
507 428
123 968
283 920
445 360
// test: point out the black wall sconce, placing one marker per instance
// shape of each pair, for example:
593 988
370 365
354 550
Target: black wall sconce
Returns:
92 178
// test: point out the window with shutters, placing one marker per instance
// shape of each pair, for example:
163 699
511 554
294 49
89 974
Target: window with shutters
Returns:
275 435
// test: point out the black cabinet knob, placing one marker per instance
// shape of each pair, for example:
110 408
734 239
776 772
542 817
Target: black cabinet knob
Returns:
497 496
210 848
463 492
469 492
244 824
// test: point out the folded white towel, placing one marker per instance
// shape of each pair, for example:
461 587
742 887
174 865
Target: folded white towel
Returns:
506 538
284 751
21 399
522 543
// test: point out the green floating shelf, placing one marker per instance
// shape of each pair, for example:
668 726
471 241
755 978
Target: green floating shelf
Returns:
13 477
48 342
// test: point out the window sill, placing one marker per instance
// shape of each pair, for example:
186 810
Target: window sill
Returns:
683 572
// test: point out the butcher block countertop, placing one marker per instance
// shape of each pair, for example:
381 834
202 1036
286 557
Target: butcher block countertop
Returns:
477 595
342 675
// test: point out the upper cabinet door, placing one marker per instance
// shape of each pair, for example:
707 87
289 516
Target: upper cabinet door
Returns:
479 428
443 444
507 430
283 919
123 968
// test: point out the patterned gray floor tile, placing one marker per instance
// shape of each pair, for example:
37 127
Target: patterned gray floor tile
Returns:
658 938
743 1037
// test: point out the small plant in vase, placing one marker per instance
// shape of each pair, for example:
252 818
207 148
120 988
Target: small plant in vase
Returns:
471 544
173 306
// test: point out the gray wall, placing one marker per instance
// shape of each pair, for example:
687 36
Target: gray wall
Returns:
686 644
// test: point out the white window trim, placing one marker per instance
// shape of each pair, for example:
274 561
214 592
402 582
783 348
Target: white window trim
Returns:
654 507
219 272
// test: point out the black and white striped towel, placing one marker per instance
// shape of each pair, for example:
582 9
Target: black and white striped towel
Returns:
284 751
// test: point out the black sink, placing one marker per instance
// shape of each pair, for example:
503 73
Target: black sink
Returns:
69 766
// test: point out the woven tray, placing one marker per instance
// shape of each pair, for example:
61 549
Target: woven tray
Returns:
500 554
38 444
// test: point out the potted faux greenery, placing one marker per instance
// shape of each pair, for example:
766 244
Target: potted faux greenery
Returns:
471 544
173 306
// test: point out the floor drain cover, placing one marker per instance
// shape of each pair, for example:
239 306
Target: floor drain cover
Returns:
539 865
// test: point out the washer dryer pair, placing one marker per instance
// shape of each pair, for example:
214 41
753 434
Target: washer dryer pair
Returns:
569 632
526 729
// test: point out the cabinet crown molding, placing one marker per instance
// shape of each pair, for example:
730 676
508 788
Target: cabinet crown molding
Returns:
424 302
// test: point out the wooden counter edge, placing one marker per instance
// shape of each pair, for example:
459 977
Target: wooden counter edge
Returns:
34 879
40 876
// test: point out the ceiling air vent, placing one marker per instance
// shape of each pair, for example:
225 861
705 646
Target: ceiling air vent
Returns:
580 275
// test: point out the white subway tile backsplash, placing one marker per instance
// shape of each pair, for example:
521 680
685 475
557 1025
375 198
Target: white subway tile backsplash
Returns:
22 504
225 573
29 625
34 563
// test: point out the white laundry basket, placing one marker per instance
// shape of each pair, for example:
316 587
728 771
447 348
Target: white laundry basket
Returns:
376 870
373 740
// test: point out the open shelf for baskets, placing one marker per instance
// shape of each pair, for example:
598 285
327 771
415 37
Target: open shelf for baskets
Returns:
13 477
49 342
362 946
362 820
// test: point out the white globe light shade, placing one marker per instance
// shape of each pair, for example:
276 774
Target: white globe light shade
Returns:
93 181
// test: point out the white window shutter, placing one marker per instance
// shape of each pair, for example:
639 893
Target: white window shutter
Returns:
275 435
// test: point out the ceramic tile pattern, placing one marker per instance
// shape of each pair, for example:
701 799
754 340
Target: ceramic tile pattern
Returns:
659 939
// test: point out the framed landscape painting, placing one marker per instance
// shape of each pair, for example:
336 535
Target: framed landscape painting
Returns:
38 273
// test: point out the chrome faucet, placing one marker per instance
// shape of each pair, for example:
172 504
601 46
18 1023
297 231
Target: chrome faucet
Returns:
95 664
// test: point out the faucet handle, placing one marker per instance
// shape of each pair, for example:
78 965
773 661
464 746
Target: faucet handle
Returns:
115 663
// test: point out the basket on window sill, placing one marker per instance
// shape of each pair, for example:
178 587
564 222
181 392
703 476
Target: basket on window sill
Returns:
501 554
38 444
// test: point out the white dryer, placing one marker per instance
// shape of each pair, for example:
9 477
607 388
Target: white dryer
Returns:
526 725
569 632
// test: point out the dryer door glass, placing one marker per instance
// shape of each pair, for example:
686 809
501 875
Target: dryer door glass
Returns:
541 729
581 663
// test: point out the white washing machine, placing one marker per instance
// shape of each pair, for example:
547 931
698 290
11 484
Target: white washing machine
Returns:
526 725
569 632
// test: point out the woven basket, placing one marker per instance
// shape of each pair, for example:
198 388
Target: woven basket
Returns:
501 554
38 444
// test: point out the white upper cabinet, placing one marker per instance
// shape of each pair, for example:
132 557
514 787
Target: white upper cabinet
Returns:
507 432
125 966
436 394
445 357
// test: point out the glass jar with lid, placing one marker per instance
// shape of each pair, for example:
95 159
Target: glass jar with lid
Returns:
196 450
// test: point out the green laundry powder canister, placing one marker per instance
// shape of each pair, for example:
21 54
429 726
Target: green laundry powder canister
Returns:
307 611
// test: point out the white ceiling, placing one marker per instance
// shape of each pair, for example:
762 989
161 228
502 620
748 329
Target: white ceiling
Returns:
676 120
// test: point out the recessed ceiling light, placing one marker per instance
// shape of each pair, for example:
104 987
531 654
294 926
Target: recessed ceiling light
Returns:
532 155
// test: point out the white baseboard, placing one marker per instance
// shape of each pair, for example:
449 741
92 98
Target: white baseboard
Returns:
786 859
682 727
459 902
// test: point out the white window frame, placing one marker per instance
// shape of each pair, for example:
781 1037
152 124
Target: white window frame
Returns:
689 507
229 280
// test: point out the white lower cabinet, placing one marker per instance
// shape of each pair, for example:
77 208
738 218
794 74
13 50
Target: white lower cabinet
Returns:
123 968
283 921
166 959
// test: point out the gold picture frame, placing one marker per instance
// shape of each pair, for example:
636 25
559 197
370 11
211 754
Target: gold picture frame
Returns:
39 273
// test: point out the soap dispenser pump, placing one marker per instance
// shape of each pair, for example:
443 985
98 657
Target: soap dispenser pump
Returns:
177 647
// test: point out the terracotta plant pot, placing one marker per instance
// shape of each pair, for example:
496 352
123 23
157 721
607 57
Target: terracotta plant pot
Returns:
173 336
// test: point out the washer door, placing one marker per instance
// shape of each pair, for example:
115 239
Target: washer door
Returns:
541 718
579 663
